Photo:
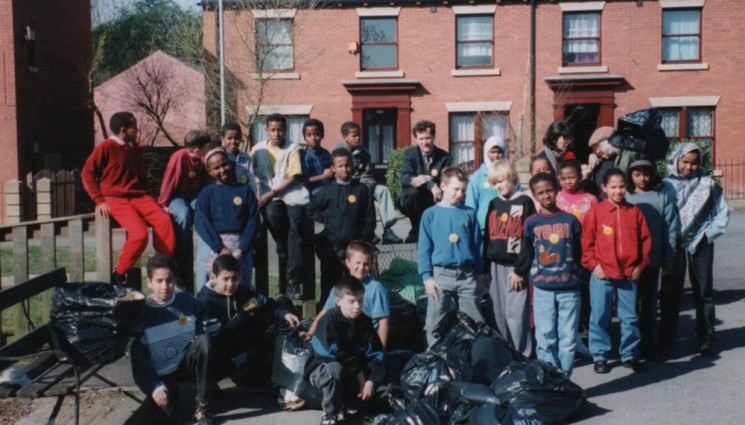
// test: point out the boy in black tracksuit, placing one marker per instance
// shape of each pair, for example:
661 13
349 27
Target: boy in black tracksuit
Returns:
347 359
243 318
347 211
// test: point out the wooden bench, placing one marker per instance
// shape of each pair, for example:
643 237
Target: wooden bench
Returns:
51 374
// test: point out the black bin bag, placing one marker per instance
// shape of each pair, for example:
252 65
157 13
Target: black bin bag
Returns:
419 413
93 322
539 390
291 353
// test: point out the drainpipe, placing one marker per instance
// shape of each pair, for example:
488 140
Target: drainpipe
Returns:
222 64
532 77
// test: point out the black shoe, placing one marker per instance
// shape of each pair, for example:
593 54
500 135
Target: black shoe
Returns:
709 352
345 413
118 279
328 419
601 366
390 237
293 292
635 365
203 414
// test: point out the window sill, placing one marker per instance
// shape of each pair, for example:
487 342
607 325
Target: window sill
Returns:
276 76
598 69
379 74
683 67
475 72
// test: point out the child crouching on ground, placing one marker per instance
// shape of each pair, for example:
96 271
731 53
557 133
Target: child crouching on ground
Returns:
347 360
173 344
244 317
449 255
376 303
615 246
551 254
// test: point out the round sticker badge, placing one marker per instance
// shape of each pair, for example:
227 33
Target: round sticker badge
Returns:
434 173
237 200
244 179
554 238
183 320
352 199
577 213
607 230
454 238
505 217
192 174
486 185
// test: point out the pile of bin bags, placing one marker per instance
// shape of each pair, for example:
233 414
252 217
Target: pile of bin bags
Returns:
471 377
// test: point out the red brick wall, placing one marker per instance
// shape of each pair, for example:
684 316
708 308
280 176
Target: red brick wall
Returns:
44 112
631 47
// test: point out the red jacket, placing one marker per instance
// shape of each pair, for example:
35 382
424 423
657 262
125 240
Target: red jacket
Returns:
617 238
185 176
114 170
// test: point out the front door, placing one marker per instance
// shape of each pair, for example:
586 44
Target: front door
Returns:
379 130
583 119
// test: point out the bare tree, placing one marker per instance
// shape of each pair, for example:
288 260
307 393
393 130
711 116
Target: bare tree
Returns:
263 38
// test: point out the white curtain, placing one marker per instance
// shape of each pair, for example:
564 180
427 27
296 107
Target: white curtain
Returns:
475 28
581 25
681 29
496 125
462 129
671 122
275 44
700 122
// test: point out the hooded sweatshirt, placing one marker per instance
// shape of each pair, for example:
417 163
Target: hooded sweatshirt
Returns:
701 205
479 191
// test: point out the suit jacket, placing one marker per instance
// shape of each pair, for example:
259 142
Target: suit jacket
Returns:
414 165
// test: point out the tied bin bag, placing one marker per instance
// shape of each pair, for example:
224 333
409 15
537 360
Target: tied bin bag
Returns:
93 322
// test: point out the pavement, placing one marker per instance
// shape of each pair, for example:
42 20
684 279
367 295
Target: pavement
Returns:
685 388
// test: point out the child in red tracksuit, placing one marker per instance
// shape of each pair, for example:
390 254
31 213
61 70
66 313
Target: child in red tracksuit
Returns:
615 246
115 178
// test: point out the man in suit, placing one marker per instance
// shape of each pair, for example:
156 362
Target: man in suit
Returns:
420 176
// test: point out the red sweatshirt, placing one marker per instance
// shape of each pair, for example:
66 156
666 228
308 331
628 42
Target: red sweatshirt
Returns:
617 238
114 170
185 176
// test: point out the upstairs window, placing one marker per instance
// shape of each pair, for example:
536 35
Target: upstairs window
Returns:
581 37
681 35
379 40
474 41
274 49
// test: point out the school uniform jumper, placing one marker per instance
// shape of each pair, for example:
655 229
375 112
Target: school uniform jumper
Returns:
448 252
347 212
115 175
227 216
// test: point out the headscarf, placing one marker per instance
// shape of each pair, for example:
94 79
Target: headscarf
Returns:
692 192
490 143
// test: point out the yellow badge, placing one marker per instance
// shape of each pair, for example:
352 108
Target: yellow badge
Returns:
434 173
352 199
505 217
244 179
183 320
554 238
577 213
454 238
237 200
192 174
607 230
486 185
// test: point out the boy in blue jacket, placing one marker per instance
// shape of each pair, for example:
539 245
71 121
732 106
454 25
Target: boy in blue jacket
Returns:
347 359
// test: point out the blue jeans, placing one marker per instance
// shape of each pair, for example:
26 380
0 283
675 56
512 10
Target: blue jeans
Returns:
556 315
601 301
182 215
202 276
